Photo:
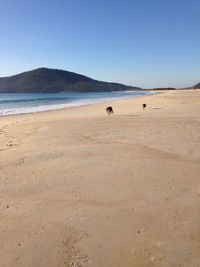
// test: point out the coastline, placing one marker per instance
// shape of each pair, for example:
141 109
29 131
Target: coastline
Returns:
81 188
98 109
49 102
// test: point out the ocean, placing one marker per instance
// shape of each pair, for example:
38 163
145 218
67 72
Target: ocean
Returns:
11 104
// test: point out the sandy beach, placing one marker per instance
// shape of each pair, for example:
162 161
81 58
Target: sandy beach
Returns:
81 188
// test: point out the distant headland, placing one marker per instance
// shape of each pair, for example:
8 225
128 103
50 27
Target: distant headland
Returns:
45 80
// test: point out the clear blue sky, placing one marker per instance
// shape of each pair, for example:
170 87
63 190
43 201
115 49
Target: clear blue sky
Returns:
148 43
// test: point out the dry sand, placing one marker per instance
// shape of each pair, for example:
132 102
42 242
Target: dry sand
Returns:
80 188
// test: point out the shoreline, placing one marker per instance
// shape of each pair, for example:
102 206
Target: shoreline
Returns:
52 107
101 105
74 108
81 188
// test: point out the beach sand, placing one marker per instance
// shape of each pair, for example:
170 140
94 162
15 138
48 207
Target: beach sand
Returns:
81 188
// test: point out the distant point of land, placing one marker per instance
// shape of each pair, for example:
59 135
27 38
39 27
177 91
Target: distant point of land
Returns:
45 80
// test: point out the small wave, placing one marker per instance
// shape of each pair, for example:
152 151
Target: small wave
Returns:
41 108
49 99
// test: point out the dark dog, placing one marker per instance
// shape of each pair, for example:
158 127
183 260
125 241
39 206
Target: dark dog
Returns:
144 106
109 110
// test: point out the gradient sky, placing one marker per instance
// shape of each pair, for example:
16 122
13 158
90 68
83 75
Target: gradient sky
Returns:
148 43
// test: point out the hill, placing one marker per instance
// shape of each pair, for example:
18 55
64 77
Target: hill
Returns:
44 80
197 86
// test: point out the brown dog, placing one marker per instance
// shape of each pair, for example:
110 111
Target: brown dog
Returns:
109 110
144 106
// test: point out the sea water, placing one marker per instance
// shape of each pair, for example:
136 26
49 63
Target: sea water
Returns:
11 104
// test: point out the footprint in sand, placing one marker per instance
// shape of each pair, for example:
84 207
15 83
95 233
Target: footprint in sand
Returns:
11 143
